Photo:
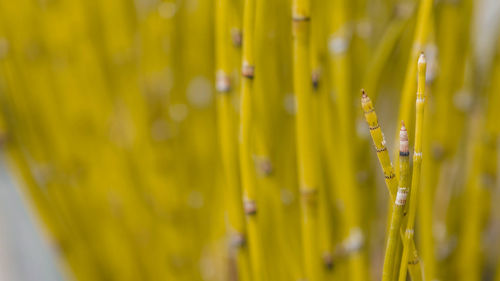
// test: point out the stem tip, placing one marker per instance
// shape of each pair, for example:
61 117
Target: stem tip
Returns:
421 59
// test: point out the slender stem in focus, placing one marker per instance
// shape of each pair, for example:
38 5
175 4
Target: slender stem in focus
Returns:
417 162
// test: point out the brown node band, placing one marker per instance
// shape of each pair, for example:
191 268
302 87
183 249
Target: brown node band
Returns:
297 18
404 153
328 260
248 71
263 166
236 37
375 127
381 150
237 240
413 262
308 194
250 207
315 80
369 111
223 83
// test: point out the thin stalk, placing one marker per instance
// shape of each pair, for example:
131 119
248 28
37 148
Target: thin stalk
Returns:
481 180
493 128
228 144
329 146
380 144
469 257
324 207
246 161
417 162
398 207
307 154
426 216
321 112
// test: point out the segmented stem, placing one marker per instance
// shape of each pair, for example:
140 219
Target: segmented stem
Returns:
246 161
398 207
380 144
307 154
417 162
228 144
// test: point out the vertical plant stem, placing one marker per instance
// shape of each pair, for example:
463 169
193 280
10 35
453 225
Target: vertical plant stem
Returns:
469 260
321 111
246 162
417 162
307 154
398 207
228 141
430 172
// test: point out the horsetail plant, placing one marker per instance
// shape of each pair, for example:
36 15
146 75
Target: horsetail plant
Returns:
227 138
380 144
389 175
246 162
307 155
219 140
417 163
398 207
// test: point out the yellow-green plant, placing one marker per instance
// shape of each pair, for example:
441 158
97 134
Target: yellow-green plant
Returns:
417 162
249 186
389 175
398 207
222 140
307 154
228 141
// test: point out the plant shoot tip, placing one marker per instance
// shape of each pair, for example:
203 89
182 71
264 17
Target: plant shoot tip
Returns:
421 58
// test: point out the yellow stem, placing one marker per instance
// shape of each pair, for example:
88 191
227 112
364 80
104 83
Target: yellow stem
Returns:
227 138
417 162
398 208
307 154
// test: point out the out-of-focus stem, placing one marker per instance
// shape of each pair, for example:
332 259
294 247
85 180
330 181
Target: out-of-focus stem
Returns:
246 162
227 138
307 153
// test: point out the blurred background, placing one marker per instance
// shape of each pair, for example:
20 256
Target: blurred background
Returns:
111 135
